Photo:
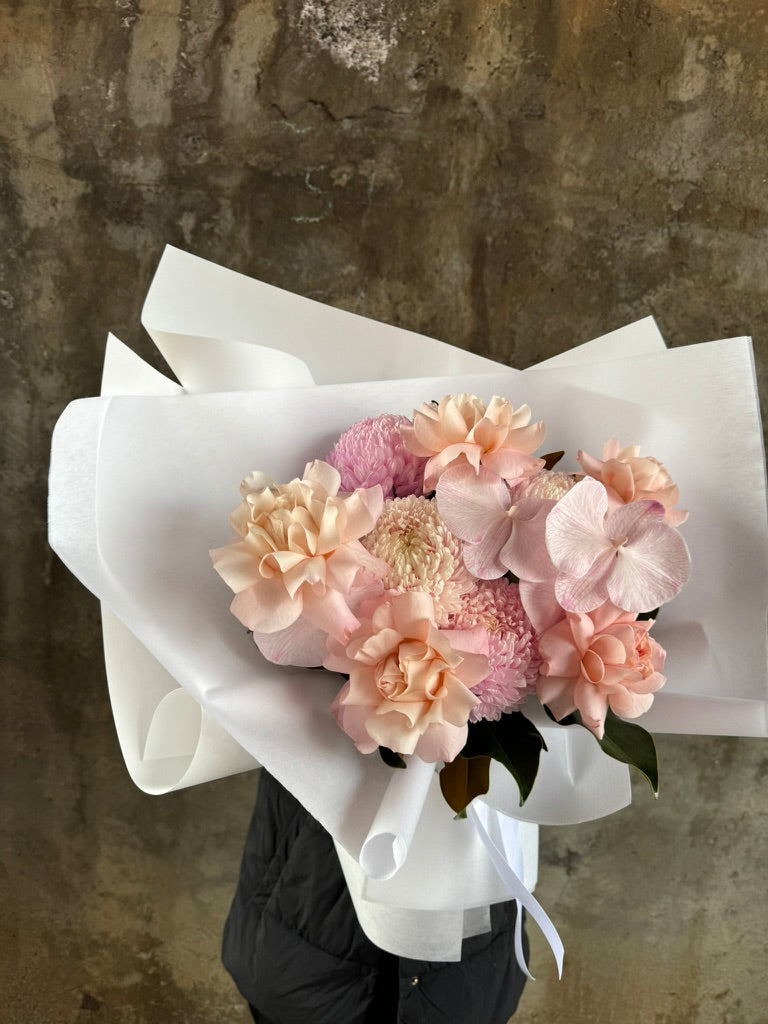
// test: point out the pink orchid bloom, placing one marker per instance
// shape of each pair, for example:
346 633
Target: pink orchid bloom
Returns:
498 534
630 556
594 661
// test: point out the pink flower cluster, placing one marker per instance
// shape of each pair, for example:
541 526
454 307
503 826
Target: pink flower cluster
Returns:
440 567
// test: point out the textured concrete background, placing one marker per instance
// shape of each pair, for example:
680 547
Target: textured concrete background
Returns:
512 177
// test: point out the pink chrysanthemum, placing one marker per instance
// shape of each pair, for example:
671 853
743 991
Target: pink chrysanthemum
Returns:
372 452
512 649
421 552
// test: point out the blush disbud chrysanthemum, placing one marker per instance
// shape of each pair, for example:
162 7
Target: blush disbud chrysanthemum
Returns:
513 655
421 552
373 452
547 484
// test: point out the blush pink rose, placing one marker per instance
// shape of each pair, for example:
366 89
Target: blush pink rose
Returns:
460 430
600 660
300 552
409 682
629 477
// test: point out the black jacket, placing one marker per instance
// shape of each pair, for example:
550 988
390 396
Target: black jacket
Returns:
296 952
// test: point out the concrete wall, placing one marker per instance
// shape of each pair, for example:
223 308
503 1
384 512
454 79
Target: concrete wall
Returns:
513 177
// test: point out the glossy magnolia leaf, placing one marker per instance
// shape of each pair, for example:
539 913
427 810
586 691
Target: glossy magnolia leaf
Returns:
552 459
625 742
648 615
462 779
512 741
391 758
633 745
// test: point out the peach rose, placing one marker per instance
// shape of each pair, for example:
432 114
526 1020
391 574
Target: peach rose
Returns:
300 552
460 430
409 682
594 661
629 477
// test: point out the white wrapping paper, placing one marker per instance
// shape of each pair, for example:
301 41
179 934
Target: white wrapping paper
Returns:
141 487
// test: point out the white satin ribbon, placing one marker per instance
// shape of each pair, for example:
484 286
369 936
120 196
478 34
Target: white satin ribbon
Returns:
499 834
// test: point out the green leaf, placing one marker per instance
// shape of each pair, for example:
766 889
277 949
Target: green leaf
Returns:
512 741
462 779
392 759
631 744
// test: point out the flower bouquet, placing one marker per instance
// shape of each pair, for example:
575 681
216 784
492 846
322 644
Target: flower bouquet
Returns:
448 574
194 698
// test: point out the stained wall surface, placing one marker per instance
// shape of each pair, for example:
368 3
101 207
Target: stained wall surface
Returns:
512 177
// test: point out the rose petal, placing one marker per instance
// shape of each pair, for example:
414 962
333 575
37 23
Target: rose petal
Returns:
557 693
441 742
627 704
592 705
559 655
266 607
323 475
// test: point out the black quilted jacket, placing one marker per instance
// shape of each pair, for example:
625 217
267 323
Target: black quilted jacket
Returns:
296 952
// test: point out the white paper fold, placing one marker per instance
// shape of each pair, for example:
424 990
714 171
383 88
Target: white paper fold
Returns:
193 698
386 846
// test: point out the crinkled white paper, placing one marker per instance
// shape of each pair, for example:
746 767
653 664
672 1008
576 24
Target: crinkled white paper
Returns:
141 485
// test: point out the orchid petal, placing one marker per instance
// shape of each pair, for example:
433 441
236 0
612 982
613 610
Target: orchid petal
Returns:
525 553
470 503
589 592
628 521
330 612
650 569
575 529
299 644
482 559
540 604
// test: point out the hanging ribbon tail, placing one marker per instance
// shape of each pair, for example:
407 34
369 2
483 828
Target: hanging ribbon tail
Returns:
498 833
